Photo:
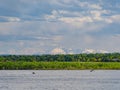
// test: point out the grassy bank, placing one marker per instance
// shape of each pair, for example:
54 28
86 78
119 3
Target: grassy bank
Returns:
58 65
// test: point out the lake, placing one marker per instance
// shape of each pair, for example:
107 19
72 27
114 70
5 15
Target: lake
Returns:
59 80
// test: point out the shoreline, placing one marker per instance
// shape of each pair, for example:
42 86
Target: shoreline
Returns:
59 65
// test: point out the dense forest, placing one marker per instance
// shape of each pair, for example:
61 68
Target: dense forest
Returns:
98 57
61 62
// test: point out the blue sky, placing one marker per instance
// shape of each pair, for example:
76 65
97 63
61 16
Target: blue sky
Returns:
40 26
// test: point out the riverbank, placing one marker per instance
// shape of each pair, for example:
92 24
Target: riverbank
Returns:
59 65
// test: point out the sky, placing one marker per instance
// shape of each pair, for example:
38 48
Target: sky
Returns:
49 26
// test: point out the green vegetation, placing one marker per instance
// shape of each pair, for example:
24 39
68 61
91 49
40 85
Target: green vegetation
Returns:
98 57
58 65
60 62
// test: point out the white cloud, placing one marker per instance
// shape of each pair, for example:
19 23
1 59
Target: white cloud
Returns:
97 14
58 51
12 51
31 51
42 38
66 23
94 51
89 5
112 19
10 19
75 20
115 18
20 48
103 51
13 19
80 20
63 3
95 6
89 51
70 16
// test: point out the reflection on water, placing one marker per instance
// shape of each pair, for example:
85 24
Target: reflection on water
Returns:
60 80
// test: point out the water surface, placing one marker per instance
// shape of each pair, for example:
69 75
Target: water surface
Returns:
60 80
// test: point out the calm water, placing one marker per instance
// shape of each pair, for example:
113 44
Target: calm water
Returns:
60 80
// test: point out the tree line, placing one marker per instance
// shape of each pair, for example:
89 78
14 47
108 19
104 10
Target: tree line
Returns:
98 57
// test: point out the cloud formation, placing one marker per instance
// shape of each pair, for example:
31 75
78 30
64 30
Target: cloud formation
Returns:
39 26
